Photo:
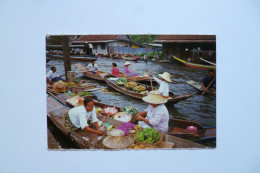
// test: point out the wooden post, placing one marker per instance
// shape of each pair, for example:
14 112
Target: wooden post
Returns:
146 48
66 55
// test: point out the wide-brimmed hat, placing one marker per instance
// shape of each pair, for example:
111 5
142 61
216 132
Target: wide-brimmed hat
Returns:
59 86
127 63
166 76
154 97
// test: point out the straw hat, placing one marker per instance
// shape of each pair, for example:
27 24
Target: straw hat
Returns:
166 76
127 63
59 86
154 97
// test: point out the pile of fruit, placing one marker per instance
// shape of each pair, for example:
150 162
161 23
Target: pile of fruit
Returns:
98 110
84 93
110 111
130 84
148 135
73 84
121 81
139 88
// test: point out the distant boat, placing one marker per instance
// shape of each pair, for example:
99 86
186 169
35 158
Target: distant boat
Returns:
73 57
193 65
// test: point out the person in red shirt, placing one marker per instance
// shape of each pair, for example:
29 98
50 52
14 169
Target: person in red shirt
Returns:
115 70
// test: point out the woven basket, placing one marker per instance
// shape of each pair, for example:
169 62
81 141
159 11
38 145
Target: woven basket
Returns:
161 137
120 142
144 146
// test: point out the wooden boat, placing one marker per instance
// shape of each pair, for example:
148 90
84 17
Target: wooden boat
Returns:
86 140
129 58
99 75
198 87
173 98
179 128
207 61
47 59
193 65
73 57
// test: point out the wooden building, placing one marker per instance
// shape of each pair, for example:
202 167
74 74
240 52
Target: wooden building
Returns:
101 43
189 47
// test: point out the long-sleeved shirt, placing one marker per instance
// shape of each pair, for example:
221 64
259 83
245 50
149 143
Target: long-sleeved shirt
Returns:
115 72
79 116
158 117
164 86
91 68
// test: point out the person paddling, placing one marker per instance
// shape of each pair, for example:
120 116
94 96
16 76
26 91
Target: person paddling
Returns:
207 81
128 72
164 83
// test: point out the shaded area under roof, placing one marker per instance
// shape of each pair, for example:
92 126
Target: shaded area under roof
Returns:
185 38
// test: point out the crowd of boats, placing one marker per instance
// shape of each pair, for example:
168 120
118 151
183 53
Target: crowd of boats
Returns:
181 133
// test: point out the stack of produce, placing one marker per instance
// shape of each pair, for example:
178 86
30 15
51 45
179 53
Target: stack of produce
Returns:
148 135
72 84
130 84
121 81
129 110
98 110
110 111
126 127
139 88
84 93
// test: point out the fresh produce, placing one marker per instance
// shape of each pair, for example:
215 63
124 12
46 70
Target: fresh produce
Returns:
84 93
130 84
126 127
144 92
122 116
73 84
140 88
129 110
121 81
98 110
148 135
110 110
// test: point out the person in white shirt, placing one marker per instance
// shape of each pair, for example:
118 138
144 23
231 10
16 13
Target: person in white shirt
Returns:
92 67
52 75
164 84
80 115
156 115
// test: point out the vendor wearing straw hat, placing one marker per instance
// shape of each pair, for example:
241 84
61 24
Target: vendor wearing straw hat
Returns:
59 87
156 114
164 83
128 72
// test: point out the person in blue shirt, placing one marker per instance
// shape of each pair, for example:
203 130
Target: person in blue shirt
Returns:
206 81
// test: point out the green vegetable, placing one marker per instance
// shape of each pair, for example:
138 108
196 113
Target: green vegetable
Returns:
129 110
148 135
84 93
121 80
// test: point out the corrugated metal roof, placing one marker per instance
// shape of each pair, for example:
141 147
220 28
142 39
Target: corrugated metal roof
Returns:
100 38
185 38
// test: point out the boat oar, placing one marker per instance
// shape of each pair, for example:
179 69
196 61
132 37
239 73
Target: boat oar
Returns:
208 86
150 79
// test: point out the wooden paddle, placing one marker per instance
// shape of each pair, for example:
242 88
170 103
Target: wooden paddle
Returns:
151 79
208 86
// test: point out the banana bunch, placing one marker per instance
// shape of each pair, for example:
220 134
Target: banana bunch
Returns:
130 84
140 88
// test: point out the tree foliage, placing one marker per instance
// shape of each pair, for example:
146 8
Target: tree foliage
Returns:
140 39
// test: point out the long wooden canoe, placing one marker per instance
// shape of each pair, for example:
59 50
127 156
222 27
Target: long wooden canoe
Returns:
88 140
124 90
198 87
177 126
193 65
73 57
99 76
129 58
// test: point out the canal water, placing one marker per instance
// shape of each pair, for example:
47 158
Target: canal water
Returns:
201 109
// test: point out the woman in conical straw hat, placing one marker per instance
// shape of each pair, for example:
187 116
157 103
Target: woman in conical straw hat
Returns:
164 83
156 115
59 86
128 72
